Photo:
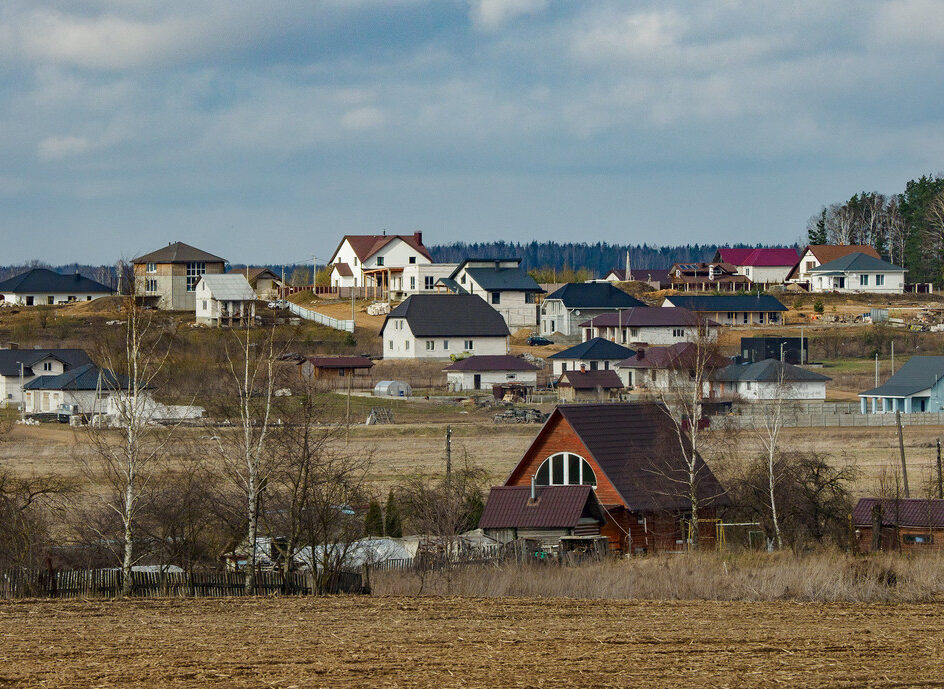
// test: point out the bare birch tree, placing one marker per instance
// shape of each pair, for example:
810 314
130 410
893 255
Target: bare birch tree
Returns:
773 422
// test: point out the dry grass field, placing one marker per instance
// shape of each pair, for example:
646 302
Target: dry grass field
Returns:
467 642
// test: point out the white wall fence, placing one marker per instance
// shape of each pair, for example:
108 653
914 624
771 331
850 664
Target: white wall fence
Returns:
314 316
827 420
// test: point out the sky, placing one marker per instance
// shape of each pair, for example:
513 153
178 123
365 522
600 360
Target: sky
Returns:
264 130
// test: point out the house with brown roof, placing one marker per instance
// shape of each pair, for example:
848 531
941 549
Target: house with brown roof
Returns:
659 369
378 261
630 454
651 325
264 282
589 386
707 277
815 255
335 371
482 372
763 265
904 524
167 278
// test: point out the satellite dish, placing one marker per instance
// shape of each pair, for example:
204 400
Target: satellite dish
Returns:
576 312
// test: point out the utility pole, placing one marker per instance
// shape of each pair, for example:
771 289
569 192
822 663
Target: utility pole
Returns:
23 402
350 382
876 369
901 448
940 475
802 353
282 286
314 273
782 345
893 356
448 453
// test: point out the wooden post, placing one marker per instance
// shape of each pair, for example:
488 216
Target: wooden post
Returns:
940 477
877 526
349 383
901 448
448 453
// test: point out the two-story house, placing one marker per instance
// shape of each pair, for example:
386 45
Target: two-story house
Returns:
167 278
707 277
768 265
20 366
503 283
377 260
437 326
565 309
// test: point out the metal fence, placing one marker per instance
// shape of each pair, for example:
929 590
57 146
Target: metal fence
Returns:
309 315
107 583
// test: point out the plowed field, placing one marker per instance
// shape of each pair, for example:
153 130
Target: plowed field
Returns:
429 642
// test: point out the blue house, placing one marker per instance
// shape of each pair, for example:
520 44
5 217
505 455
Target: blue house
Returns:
918 386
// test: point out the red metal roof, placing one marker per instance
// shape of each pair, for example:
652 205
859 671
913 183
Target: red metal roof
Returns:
339 361
913 512
557 507
493 362
767 257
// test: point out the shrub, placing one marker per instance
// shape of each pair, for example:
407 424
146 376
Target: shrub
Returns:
818 306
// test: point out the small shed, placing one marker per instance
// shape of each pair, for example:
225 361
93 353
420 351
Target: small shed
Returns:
589 386
392 388
335 370
905 524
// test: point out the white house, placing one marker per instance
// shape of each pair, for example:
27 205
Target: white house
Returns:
225 300
768 265
769 380
658 369
20 366
481 372
377 260
815 255
596 354
87 387
503 283
563 310
436 326
650 325
424 277
42 286
858 272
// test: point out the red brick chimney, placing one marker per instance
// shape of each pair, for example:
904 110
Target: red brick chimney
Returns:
640 353
418 236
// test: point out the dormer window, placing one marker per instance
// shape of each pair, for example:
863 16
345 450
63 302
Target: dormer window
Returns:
565 469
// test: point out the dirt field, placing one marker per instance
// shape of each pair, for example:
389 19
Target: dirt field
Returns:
455 642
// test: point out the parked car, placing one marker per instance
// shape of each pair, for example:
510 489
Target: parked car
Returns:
538 341
65 412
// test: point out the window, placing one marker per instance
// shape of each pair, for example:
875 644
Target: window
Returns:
509 376
50 299
412 259
150 285
468 345
355 260
29 301
380 260
810 265
678 332
879 280
391 344
565 469
152 267
445 344
406 345
430 345
194 271
204 304
462 278
341 372
412 282
593 365
916 539
88 298
71 298
634 332
496 297
47 366
730 315
864 279
529 297
428 282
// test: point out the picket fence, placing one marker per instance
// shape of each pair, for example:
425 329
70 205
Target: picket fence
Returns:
314 316
107 583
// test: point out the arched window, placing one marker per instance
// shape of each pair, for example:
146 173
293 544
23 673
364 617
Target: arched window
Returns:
565 469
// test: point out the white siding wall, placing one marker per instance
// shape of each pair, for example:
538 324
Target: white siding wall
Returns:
400 343
41 298
575 364
465 380
768 391
763 274
894 283
414 276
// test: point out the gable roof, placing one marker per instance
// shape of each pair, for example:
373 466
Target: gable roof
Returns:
229 287
680 355
10 359
449 315
825 253
178 252
86 377
636 446
491 362
660 275
366 245
648 317
857 261
593 295
590 380
556 507
495 279
344 270
727 302
917 374
594 349
761 257
45 280
913 512
254 273
334 362
769 371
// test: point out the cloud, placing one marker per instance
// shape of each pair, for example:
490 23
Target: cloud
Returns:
56 147
493 14
363 118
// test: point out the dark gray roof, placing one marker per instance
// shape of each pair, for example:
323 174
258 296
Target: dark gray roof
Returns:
595 349
87 377
452 285
648 316
497 278
731 302
590 380
594 295
911 512
10 359
45 280
449 315
769 371
919 373
178 252
491 362
857 261
636 446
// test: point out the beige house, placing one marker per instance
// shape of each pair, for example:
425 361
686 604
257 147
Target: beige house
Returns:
225 300
167 278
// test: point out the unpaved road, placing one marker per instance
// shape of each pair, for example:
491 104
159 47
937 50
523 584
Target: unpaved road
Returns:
456 642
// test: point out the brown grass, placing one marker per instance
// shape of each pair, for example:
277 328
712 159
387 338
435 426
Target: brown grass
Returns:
463 642
822 577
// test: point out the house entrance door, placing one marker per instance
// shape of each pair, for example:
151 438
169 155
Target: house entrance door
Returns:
477 381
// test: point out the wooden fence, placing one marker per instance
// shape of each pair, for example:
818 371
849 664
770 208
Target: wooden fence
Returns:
107 583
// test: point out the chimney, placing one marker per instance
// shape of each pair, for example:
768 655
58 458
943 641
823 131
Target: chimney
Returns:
534 490
418 236
583 368
640 353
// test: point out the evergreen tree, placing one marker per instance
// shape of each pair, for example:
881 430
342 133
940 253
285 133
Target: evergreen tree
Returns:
817 230
374 522
393 525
